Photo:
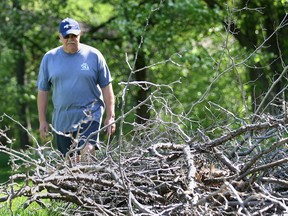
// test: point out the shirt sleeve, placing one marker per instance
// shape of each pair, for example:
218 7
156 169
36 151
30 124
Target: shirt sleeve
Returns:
43 78
104 77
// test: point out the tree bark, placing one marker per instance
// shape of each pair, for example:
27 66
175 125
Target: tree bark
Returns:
23 109
20 70
143 112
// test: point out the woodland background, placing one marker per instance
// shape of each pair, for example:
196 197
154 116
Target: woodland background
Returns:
225 52
201 111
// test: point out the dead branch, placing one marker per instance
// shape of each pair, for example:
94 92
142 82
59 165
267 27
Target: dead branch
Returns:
159 178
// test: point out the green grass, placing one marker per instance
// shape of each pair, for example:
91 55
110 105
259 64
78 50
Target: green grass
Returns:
16 206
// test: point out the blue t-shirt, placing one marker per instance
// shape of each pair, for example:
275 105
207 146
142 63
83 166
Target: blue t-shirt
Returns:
76 80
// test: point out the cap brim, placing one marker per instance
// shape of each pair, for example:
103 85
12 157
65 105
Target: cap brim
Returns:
71 31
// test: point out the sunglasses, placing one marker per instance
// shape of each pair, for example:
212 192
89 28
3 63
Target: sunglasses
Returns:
70 35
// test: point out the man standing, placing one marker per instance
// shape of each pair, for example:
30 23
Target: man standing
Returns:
82 89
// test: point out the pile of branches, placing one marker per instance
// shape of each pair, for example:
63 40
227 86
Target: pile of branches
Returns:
235 172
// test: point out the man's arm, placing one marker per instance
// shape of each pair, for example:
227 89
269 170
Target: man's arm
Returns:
109 100
42 103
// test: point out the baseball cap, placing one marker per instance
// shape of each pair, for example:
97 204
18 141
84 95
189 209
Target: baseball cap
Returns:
69 26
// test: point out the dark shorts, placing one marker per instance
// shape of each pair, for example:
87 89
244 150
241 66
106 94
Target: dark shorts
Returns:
64 143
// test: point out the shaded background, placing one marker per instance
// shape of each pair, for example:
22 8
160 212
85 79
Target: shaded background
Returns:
197 42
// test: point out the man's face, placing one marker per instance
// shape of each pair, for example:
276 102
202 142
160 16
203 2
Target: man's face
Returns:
70 43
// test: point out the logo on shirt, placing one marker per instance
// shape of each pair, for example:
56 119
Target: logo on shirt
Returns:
84 66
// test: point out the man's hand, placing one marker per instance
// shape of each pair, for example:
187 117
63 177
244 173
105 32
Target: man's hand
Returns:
110 129
44 129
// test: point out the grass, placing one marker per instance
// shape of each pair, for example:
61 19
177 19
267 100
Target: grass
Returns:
15 207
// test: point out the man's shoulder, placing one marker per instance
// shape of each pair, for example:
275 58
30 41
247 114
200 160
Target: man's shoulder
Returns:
53 51
88 48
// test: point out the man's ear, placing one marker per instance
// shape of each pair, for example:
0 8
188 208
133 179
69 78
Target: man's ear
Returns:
59 37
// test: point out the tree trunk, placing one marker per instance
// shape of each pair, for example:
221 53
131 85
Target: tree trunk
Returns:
143 112
261 75
20 69
22 105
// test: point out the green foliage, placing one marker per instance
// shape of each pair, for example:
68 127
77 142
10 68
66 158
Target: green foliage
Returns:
5 168
179 40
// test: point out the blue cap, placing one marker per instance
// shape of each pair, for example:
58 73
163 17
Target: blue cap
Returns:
69 26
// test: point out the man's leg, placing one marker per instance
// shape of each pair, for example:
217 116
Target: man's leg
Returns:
91 144
63 143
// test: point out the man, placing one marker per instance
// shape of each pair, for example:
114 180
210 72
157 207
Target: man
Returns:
81 84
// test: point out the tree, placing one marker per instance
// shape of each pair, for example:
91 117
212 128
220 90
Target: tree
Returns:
254 23
149 39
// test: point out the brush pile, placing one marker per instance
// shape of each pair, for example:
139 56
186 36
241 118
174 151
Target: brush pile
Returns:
221 171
